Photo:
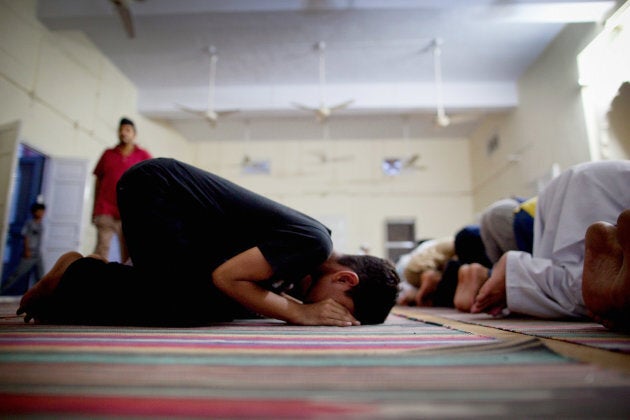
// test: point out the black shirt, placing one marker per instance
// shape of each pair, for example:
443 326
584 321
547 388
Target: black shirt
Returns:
180 223
213 220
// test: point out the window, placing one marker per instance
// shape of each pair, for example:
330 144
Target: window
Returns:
400 237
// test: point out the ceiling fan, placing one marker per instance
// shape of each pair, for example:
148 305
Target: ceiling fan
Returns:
124 12
441 119
395 166
323 112
210 114
251 166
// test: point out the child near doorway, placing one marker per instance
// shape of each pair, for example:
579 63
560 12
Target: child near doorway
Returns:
31 265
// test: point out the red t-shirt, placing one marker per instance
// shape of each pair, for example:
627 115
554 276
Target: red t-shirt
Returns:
108 170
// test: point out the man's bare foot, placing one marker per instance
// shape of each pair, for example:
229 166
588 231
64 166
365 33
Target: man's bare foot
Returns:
492 295
470 279
35 298
606 276
429 281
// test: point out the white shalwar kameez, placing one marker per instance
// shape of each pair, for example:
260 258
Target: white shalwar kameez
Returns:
548 284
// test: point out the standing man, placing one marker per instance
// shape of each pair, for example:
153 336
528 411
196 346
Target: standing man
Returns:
110 167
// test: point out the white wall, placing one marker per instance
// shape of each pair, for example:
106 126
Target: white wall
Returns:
547 127
69 96
355 190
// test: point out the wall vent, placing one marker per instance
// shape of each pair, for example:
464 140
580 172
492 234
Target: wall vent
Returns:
492 145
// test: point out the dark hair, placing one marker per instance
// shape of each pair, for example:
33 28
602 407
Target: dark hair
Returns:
126 121
376 293
37 206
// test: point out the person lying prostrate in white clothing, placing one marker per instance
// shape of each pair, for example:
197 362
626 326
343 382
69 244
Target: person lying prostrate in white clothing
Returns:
548 283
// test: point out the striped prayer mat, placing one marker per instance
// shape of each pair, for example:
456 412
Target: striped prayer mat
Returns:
266 369
579 332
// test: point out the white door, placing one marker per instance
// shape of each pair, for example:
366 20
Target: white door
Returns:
64 191
9 135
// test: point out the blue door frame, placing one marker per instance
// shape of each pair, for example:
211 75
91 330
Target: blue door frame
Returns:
27 189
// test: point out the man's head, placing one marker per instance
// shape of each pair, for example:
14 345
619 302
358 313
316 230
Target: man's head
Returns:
377 289
126 131
364 284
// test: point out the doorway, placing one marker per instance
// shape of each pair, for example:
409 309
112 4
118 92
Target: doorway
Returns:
27 189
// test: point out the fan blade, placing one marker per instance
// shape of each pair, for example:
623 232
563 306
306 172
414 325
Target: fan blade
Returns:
322 113
197 112
125 16
209 117
227 112
342 105
411 160
304 107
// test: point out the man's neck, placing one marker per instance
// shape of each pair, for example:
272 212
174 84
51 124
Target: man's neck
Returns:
126 148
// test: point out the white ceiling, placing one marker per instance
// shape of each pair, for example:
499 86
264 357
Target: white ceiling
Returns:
377 53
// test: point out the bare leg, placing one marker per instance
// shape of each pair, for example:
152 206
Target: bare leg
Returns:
606 275
470 279
105 230
35 298
492 295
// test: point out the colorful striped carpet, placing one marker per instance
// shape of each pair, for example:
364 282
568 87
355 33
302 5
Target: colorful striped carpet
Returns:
266 369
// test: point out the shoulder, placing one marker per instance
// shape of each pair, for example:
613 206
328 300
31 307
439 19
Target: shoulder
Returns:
106 157
109 153
142 152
